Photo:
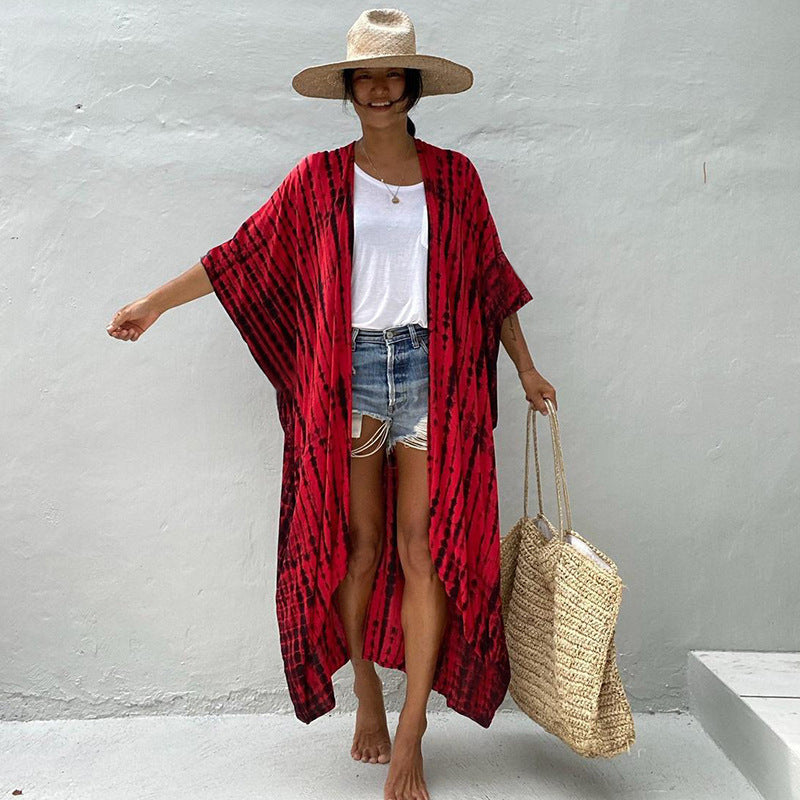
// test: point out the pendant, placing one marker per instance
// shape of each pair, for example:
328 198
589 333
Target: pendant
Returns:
395 199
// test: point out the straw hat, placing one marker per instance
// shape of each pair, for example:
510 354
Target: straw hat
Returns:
383 37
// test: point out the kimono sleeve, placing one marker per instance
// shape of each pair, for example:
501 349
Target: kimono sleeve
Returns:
502 290
253 275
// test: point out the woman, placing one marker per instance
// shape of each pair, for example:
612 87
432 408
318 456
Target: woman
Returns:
413 346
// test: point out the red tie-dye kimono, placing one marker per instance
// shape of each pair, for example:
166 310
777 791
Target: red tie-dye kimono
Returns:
284 279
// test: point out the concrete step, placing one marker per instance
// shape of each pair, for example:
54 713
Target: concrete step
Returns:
749 704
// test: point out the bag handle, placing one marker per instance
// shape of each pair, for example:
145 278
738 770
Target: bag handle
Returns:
564 514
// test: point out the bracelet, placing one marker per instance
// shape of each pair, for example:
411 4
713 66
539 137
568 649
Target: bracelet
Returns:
532 369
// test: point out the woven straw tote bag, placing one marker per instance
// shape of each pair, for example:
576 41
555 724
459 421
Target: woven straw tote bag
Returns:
560 599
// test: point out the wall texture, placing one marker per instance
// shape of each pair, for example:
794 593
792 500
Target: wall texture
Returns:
642 162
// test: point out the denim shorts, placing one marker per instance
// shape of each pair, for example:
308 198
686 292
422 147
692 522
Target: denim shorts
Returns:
390 382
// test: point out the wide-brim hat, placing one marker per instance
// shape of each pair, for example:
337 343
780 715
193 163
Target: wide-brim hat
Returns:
383 37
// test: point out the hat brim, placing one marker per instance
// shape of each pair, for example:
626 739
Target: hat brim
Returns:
439 75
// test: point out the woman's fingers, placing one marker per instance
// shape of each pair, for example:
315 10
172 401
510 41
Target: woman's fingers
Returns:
538 401
123 327
124 332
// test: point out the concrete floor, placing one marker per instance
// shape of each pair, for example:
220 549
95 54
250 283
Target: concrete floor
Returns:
272 757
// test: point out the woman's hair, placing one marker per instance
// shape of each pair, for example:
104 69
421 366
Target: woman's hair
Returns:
411 93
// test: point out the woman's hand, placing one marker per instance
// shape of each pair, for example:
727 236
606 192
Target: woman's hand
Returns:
536 389
132 320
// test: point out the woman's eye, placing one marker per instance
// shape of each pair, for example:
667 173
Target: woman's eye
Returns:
390 75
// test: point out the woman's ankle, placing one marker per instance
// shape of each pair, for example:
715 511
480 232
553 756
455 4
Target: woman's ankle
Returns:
363 668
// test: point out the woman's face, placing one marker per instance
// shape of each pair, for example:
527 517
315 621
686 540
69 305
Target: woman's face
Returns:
377 85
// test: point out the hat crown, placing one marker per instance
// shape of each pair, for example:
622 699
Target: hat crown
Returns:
381 32
381 37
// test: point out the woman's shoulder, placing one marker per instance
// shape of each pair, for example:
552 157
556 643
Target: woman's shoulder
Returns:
446 153
454 161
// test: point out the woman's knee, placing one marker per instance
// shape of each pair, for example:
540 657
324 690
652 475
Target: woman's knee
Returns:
365 551
414 550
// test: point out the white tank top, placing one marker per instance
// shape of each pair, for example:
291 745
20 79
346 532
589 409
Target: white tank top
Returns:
390 255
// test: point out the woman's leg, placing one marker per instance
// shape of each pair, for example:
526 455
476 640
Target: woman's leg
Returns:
424 619
371 741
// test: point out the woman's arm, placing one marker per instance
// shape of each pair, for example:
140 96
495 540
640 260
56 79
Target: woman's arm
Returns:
535 385
515 344
187 286
132 320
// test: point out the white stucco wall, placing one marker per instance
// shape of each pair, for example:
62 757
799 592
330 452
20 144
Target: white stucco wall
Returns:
641 160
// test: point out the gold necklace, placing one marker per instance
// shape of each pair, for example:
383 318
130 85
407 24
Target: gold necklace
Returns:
395 198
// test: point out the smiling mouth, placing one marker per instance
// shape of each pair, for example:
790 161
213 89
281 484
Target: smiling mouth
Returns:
379 106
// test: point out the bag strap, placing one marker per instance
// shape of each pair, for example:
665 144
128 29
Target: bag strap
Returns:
561 467
564 514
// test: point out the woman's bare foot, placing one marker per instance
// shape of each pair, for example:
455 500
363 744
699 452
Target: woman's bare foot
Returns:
405 780
371 741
